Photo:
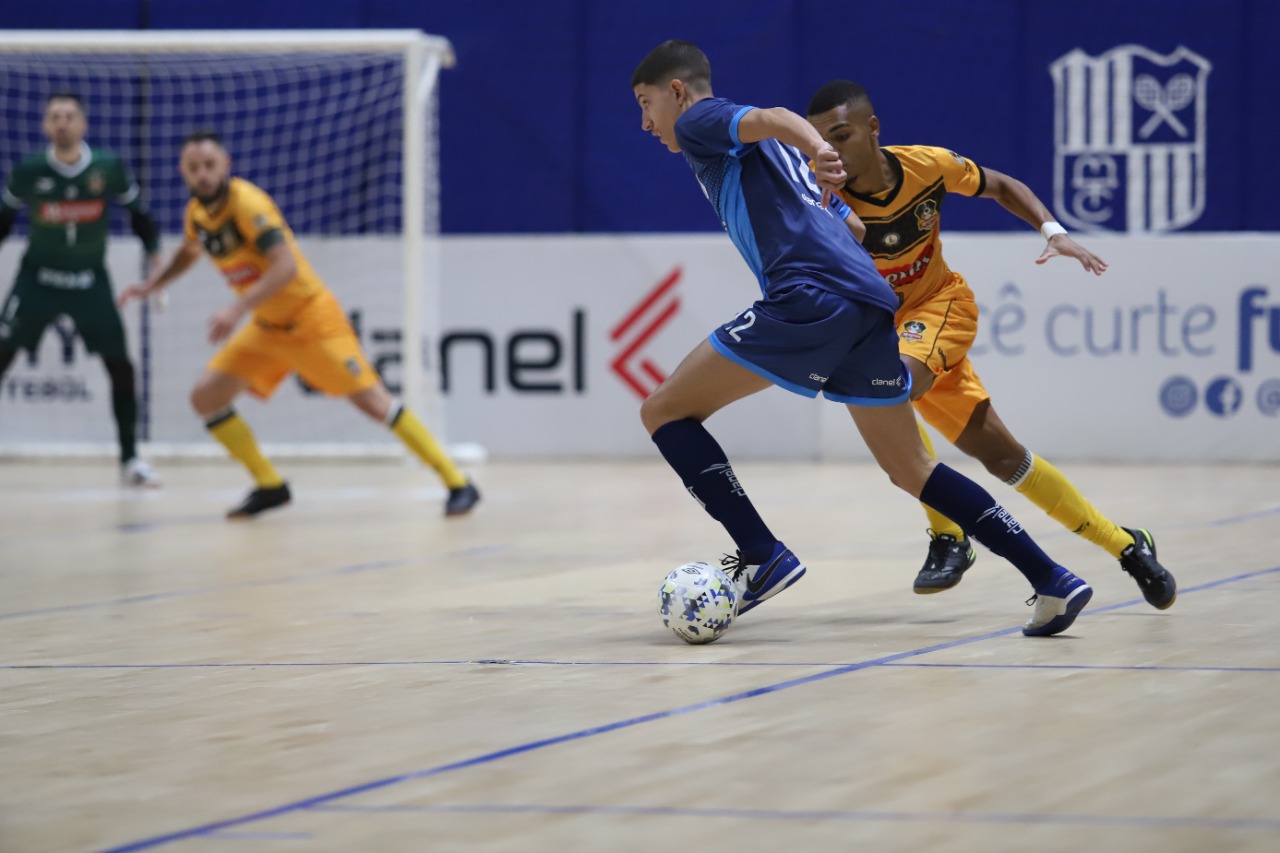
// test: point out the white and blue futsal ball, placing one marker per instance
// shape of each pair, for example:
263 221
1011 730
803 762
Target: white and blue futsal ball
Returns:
698 602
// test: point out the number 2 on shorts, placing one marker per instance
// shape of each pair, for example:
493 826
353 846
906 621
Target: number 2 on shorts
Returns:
750 318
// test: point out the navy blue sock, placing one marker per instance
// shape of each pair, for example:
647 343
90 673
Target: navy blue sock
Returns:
707 474
972 507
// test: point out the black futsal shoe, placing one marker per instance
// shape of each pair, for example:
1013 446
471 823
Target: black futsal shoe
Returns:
260 500
946 563
1139 560
462 499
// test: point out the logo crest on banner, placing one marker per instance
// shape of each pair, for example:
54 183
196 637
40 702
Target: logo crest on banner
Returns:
1129 139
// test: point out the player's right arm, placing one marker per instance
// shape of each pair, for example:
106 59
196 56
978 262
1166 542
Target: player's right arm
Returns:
792 129
161 277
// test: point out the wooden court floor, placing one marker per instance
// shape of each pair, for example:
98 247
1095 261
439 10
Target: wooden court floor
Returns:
355 673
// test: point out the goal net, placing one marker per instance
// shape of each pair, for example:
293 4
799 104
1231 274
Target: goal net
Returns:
339 127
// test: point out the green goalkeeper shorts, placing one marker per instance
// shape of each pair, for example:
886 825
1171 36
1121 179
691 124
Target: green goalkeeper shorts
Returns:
39 295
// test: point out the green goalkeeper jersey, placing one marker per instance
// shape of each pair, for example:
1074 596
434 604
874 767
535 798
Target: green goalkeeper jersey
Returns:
68 206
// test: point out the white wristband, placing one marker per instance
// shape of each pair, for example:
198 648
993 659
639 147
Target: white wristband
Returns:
1051 229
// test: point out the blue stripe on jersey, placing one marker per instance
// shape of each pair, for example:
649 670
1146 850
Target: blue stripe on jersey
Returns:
733 213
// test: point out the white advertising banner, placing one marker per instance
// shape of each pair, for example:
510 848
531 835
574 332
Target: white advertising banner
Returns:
549 344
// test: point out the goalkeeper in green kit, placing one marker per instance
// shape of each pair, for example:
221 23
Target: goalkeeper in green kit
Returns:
66 188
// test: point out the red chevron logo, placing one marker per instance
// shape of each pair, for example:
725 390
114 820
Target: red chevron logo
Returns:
634 330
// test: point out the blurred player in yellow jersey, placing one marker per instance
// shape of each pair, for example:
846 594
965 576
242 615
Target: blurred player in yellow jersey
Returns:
897 192
295 326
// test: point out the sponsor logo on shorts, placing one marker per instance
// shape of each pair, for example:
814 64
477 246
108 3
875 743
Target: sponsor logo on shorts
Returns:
897 381
65 279
819 379
912 330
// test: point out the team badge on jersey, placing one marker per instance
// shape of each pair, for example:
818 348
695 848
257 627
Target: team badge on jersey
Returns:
926 214
95 183
353 366
1129 139
913 330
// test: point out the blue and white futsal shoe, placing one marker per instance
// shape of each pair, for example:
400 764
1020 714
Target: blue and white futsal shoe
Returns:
755 583
1057 604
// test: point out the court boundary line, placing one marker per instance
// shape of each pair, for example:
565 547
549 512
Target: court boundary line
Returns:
532 746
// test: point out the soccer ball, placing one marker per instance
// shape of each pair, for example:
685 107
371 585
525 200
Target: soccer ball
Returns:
698 602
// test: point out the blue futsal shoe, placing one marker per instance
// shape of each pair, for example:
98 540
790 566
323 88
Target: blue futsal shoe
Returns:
1057 604
755 583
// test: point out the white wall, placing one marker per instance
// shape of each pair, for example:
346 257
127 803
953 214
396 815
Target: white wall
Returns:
1075 364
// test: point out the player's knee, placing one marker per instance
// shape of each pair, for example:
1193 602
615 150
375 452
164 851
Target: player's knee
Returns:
653 414
204 399
1001 461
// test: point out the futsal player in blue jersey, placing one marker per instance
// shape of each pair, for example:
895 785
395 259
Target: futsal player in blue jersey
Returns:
823 324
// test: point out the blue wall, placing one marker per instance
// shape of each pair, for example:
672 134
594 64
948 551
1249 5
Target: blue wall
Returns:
540 132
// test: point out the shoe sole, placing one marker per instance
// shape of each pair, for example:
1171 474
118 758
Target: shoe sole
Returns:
930 590
795 575
1075 603
249 516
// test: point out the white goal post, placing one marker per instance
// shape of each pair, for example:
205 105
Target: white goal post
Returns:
340 127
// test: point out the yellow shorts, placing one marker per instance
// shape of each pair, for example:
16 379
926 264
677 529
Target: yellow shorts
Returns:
938 329
318 345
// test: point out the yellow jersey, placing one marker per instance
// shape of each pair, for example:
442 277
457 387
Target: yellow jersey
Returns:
902 222
238 238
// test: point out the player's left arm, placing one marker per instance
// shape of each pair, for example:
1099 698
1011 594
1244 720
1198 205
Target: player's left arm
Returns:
129 195
282 268
1017 198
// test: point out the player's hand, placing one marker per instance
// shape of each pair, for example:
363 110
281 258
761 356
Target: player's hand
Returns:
829 171
223 322
132 292
1062 244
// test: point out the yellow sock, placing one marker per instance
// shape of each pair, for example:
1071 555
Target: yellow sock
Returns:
938 522
234 434
1047 488
414 434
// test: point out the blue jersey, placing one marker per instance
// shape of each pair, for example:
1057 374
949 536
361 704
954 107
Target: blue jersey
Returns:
771 206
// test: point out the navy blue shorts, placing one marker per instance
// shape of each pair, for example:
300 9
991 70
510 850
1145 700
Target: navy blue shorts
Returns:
807 339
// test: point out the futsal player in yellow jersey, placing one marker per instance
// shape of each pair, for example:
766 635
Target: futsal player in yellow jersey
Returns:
295 325
897 192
